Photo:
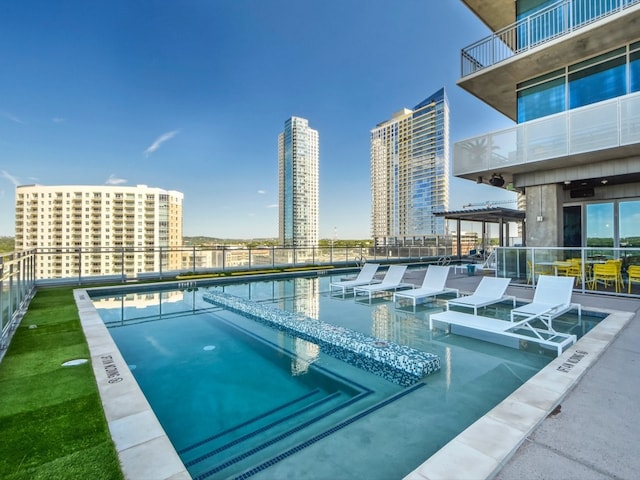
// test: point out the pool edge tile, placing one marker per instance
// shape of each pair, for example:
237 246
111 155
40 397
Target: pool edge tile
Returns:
142 454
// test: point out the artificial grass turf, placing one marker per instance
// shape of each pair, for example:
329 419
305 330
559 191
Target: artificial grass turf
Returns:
51 417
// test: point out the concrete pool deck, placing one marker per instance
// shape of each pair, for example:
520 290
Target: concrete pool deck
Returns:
592 435
577 418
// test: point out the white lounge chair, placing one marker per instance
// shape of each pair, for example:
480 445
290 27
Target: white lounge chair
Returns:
490 290
392 281
551 299
365 277
432 285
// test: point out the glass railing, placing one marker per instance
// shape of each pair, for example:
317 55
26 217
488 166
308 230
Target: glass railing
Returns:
558 19
595 269
95 264
16 288
604 125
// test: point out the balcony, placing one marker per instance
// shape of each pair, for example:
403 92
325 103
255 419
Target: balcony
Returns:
564 33
599 132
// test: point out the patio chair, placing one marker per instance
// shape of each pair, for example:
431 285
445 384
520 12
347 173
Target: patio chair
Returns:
574 270
536 270
606 274
432 285
633 275
365 277
392 281
490 290
551 299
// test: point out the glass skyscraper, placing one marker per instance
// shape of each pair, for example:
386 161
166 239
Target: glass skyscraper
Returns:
410 173
298 163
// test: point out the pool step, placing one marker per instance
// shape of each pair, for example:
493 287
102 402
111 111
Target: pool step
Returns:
226 453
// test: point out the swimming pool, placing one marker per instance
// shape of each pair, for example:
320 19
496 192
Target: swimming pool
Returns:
375 429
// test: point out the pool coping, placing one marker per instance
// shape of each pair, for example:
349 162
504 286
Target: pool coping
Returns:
142 445
480 451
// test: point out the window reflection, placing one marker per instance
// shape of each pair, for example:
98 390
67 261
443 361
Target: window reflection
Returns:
629 215
600 225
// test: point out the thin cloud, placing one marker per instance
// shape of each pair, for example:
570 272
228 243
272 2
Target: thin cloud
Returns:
11 117
113 180
261 192
273 205
159 141
11 178
57 119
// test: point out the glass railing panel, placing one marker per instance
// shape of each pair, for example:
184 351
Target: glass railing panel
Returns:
545 138
630 119
594 127
609 124
524 266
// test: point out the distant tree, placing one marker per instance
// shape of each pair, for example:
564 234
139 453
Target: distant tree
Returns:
7 244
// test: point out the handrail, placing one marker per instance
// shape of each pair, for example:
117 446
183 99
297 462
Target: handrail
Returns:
556 20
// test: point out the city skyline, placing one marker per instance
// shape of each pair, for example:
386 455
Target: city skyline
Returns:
191 96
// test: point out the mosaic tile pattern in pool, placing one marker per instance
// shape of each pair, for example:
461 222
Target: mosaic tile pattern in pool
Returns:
397 363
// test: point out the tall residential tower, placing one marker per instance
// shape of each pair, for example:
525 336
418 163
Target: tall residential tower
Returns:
568 73
298 160
410 173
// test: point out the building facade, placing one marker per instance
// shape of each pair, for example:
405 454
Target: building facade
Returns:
118 229
568 73
410 173
298 176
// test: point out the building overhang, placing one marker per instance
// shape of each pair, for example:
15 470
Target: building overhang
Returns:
569 167
496 85
495 14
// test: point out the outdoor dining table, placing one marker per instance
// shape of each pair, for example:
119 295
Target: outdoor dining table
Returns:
555 265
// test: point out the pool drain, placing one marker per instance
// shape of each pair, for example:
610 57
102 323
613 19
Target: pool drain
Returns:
73 363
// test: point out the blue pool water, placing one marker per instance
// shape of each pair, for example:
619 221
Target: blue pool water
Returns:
239 399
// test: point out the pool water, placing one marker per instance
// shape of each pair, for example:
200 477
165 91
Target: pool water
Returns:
239 399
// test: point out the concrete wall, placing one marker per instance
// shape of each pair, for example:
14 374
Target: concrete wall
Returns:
545 222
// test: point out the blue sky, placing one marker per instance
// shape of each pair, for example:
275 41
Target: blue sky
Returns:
190 95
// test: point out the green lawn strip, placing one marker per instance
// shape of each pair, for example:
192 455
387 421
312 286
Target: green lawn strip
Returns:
23 394
51 416
33 363
95 463
65 428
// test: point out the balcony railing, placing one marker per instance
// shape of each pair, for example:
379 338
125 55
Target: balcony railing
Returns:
558 19
609 124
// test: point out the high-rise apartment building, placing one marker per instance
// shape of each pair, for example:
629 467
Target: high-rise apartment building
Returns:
410 173
568 72
118 229
298 168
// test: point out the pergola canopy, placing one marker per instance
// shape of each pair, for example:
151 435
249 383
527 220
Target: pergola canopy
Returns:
499 215
488 215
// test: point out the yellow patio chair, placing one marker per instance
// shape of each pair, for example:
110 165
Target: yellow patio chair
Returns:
607 274
633 275
618 264
575 270
537 270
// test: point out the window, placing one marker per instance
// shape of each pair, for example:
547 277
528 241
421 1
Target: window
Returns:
598 82
629 214
600 225
541 100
